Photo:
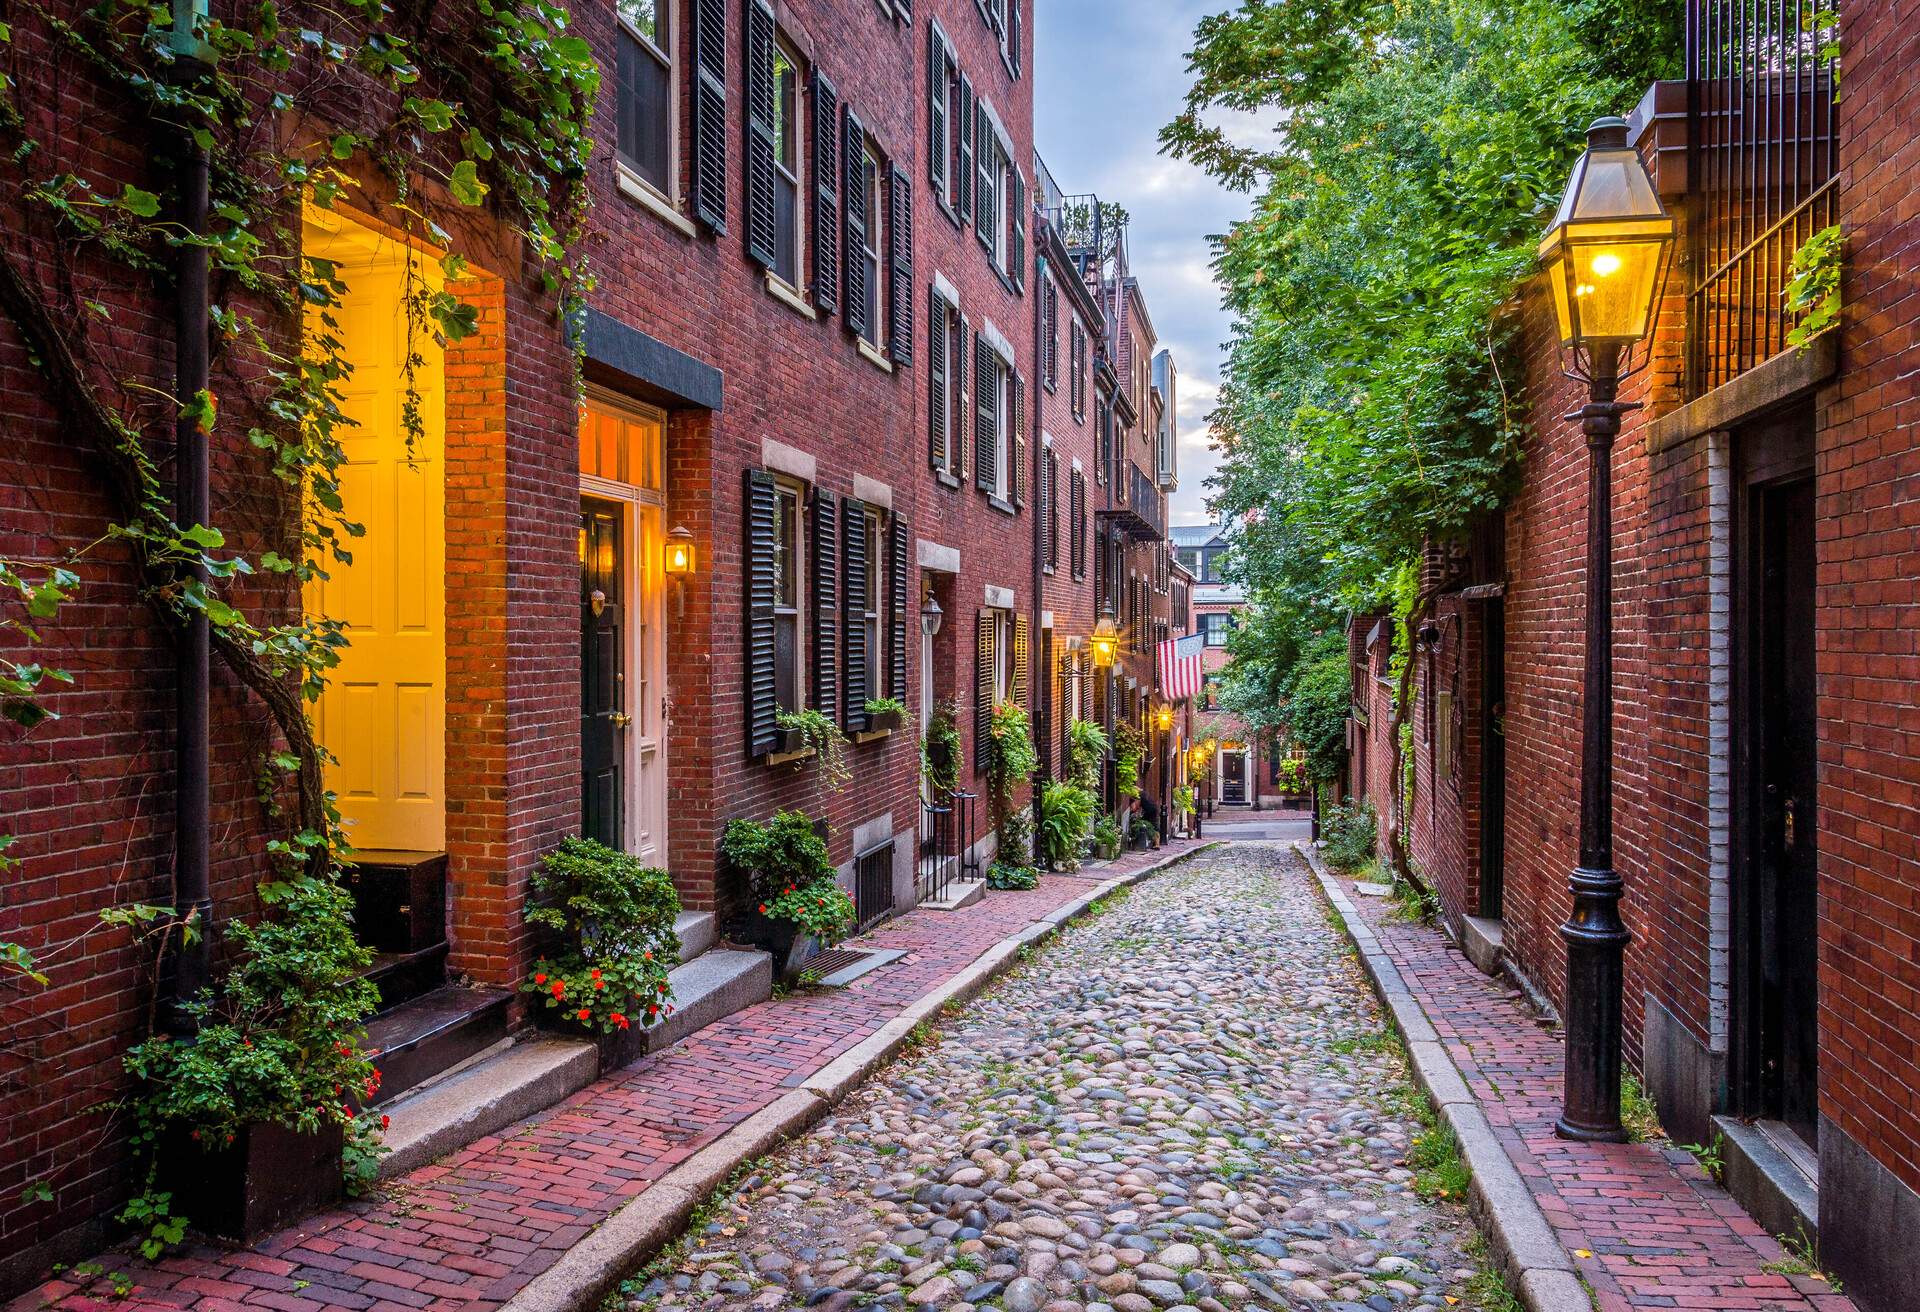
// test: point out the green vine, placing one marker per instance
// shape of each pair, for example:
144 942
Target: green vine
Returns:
1813 285
821 736
412 113
1129 749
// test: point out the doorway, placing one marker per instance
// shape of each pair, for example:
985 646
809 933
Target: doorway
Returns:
1493 760
1233 776
1776 886
623 703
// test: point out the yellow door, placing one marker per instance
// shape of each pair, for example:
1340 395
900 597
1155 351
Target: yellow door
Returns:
383 715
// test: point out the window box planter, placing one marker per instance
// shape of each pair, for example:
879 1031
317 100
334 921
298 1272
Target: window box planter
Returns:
885 721
267 1178
787 743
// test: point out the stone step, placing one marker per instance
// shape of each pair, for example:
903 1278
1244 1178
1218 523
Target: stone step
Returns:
960 893
714 984
434 1032
697 931
517 1079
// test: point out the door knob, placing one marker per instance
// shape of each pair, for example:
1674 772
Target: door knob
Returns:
620 718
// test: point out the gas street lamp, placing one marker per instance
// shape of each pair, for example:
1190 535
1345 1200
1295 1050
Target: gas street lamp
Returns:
1104 644
1606 257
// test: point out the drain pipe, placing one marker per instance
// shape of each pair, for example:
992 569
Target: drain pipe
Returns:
193 897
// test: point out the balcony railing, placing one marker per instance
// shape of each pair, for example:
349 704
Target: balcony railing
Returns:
1762 92
1139 515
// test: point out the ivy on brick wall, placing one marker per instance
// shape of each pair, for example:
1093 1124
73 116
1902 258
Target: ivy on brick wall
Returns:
412 113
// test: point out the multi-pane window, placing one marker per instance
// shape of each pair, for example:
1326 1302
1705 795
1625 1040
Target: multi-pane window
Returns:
1216 626
1077 525
1003 470
946 373
644 76
1103 425
788 142
788 677
872 603
875 178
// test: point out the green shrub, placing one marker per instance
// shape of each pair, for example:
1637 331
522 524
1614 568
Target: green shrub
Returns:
1348 833
781 853
821 909
616 917
1066 813
1000 875
1129 749
1086 749
1105 835
940 752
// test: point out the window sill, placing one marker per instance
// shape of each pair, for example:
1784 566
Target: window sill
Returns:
788 295
872 735
947 480
953 215
1003 506
1001 274
787 758
872 356
638 189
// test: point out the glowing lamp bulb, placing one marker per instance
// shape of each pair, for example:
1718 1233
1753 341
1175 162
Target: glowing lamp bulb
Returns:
1605 264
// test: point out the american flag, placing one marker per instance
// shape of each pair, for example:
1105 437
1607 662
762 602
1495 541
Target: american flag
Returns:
1180 666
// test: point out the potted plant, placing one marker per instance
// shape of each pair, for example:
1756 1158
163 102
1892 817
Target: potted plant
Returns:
1183 806
940 752
885 714
247 1124
608 978
1105 838
810 731
1141 834
1011 761
792 899
1066 814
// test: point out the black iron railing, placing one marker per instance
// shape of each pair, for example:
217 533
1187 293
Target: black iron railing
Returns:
1764 152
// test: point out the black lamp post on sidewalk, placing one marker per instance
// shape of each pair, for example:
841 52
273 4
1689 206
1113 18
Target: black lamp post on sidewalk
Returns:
1606 259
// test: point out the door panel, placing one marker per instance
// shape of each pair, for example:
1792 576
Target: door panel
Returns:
1233 777
384 714
602 697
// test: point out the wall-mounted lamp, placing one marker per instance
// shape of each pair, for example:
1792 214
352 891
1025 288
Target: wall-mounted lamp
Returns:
678 563
930 615
1105 642
1163 717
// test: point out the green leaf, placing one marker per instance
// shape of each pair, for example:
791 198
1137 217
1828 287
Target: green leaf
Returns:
135 201
465 183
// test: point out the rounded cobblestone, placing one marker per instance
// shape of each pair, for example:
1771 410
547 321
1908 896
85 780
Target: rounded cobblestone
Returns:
1174 1105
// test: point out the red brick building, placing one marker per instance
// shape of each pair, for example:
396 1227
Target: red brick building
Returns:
1765 597
838 361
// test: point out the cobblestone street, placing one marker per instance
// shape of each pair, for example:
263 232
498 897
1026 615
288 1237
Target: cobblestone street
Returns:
1184 1101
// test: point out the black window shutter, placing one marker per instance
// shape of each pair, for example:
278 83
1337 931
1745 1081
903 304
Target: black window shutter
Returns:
1017 476
710 114
905 9
1017 203
957 361
936 380
936 112
853 536
1013 34
897 607
986 155
986 451
1051 315
1020 652
759 86
964 131
826 194
900 298
826 610
1077 524
853 199
761 729
1050 502
982 688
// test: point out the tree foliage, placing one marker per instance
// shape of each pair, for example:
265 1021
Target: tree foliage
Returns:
1368 405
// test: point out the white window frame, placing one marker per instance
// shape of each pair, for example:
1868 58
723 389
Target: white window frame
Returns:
873 606
629 178
797 130
785 486
878 181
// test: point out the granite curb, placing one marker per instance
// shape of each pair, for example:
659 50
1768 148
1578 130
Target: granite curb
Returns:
1537 1267
646 1224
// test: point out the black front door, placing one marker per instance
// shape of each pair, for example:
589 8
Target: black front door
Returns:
1493 762
1776 890
602 701
1233 777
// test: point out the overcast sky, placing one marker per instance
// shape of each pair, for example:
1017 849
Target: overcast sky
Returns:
1110 74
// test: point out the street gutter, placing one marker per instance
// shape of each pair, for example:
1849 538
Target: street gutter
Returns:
645 1225
1521 1240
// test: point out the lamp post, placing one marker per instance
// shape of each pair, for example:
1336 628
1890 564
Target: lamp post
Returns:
1163 721
1606 258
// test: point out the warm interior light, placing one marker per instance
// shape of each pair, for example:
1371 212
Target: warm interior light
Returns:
678 560
1606 264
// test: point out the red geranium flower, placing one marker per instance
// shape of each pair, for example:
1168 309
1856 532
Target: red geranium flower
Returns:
540 978
584 1013
619 1020
385 1121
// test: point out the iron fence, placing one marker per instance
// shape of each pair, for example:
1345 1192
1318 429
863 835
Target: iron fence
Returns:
1762 90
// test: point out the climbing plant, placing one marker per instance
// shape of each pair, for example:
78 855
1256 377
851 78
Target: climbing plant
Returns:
412 114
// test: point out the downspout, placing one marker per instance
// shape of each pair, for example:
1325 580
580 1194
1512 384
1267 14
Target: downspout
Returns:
193 898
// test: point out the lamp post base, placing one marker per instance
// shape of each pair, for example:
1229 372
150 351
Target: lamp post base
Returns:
1596 966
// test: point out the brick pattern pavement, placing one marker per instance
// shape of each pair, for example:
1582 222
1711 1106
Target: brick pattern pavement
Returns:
472 1229
1657 1231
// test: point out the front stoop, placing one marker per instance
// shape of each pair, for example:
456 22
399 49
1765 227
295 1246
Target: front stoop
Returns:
1484 941
961 893
515 1079
1773 1176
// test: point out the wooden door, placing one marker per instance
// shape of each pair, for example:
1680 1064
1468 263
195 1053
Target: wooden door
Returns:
1493 761
1233 776
603 703
383 715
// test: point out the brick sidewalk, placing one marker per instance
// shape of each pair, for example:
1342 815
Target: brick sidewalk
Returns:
474 1228
1659 1233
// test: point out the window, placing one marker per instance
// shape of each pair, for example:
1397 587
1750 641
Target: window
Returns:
1050 508
1077 369
873 176
1005 470
872 602
947 417
788 540
1216 626
1050 335
1190 557
1103 423
788 136
1077 524
645 129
